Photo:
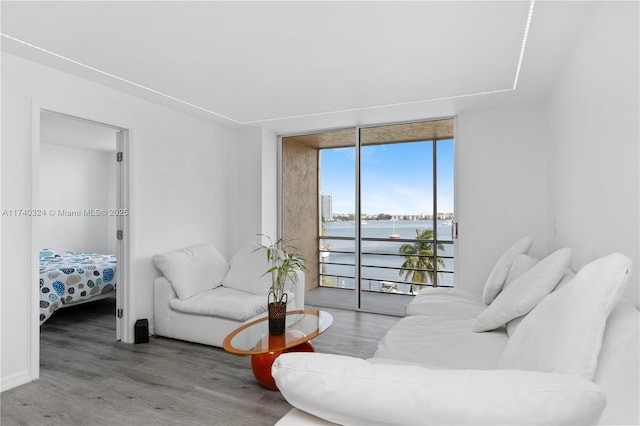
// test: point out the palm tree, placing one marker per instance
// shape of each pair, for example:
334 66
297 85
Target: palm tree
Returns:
419 264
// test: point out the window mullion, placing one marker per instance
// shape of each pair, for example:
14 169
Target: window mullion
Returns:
435 213
358 225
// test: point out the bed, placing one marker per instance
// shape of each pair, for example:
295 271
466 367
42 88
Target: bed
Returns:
68 278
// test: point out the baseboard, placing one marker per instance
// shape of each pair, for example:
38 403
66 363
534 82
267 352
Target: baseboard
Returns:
14 380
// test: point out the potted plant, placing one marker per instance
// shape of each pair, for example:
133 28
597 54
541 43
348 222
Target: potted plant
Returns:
284 264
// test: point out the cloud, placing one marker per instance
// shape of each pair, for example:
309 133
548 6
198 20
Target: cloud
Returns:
404 190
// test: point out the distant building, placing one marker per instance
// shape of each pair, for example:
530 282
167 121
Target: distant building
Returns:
326 206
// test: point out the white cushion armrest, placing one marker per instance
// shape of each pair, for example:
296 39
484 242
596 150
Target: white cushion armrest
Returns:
162 295
349 390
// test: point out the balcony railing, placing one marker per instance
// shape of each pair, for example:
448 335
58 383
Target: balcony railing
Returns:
381 264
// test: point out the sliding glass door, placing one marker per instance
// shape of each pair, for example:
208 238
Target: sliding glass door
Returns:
337 237
385 214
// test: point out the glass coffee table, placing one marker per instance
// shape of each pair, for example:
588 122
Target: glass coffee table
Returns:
254 339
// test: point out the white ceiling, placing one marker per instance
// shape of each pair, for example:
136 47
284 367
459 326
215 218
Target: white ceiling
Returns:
303 65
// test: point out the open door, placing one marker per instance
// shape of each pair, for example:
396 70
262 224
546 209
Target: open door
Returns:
122 231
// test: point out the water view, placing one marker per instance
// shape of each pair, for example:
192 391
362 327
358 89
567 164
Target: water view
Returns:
407 180
381 258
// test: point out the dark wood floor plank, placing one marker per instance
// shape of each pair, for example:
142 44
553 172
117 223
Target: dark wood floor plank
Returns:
86 378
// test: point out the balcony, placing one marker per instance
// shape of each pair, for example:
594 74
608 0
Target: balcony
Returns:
388 278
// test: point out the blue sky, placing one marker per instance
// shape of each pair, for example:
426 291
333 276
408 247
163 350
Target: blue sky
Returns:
395 178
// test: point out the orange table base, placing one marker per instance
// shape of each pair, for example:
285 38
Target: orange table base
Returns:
261 364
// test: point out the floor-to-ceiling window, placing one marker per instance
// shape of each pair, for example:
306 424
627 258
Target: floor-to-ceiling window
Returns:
385 213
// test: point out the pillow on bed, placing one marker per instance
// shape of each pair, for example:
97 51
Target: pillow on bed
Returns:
498 275
524 292
192 270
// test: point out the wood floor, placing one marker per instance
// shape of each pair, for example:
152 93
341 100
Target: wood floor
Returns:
86 378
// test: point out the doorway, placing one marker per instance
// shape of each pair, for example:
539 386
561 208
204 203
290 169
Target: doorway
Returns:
79 236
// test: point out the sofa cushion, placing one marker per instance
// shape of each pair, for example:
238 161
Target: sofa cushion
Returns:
563 334
247 271
618 372
499 273
442 342
349 390
514 323
566 278
521 264
192 270
225 303
446 302
524 293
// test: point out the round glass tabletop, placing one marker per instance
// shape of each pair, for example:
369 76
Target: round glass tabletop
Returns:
254 338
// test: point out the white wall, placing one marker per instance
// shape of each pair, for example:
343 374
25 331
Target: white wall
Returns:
73 180
183 189
565 171
269 183
254 187
594 128
245 189
501 184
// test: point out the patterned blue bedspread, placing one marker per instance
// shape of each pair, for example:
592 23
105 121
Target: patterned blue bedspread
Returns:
67 277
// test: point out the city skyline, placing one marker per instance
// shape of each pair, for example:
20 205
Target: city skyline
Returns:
396 179
387 216
327 213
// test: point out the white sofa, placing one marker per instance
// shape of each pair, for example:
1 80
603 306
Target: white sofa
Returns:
202 298
549 360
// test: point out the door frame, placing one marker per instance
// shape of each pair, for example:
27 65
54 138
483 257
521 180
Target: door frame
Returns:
123 247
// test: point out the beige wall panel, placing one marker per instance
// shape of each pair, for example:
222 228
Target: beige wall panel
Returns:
300 203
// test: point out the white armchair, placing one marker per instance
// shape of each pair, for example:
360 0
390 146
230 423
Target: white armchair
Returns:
201 297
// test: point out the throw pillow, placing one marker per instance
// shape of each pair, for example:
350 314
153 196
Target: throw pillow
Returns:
567 276
347 390
524 292
247 271
499 273
521 264
512 325
192 270
563 334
